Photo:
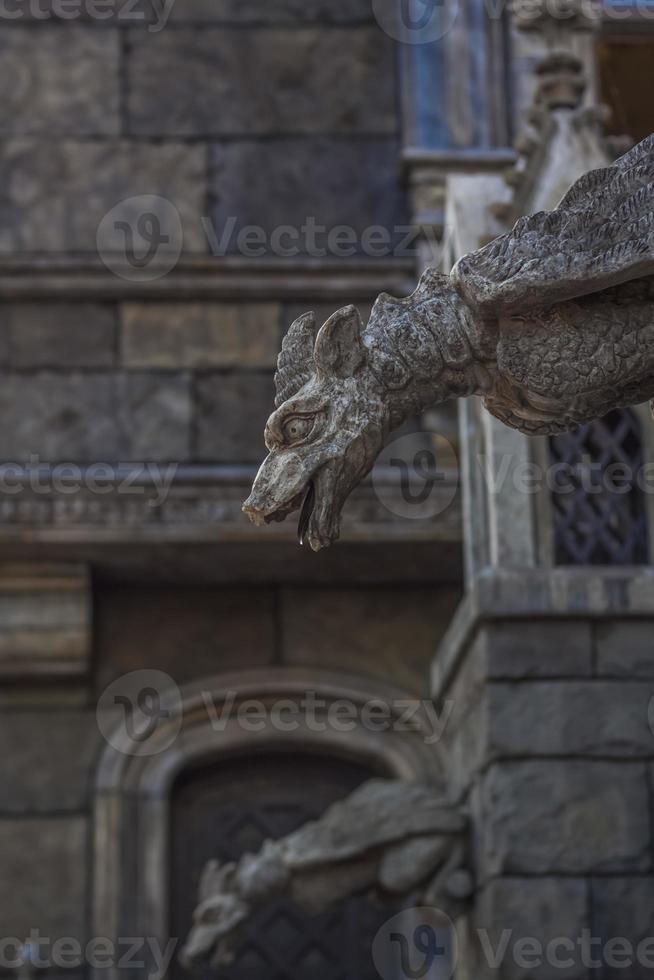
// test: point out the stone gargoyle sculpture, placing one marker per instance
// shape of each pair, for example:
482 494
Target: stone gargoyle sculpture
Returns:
393 837
552 324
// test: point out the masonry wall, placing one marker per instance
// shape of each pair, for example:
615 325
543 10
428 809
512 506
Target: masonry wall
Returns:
266 113
551 745
51 741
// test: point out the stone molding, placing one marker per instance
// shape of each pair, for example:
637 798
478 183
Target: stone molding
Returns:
45 621
84 277
201 499
525 594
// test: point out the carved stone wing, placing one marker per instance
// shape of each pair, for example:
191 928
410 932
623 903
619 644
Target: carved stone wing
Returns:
601 235
295 362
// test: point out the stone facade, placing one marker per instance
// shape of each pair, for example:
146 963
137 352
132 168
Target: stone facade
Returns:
552 748
237 114
272 113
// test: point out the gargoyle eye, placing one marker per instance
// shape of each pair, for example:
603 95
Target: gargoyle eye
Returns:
297 428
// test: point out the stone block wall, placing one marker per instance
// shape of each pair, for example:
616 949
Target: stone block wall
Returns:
265 113
51 747
238 112
140 381
551 744
137 381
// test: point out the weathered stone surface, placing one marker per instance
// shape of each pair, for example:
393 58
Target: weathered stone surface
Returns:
282 11
464 747
85 417
59 417
624 907
367 630
570 817
67 335
347 851
570 718
43 872
200 335
218 81
625 649
548 648
147 628
4 343
311 187
584 348
48 92
55 194
323 311
45 620
516 920
155 413
30 785
230 413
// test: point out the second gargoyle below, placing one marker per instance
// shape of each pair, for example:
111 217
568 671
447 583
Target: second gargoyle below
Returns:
552 324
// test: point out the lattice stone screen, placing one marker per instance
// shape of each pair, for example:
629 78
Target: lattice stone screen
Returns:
594 524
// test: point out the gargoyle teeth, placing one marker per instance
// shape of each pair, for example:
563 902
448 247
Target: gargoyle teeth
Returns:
306 512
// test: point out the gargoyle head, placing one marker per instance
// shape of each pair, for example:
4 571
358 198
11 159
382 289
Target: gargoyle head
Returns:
216 919
326 431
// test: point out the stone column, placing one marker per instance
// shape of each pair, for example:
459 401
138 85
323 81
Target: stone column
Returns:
549 671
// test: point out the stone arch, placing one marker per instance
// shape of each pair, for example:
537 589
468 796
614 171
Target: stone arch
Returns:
133 791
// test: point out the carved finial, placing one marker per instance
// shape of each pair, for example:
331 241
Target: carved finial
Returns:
561 82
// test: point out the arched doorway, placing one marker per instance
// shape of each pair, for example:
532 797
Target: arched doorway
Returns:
224 810
148 806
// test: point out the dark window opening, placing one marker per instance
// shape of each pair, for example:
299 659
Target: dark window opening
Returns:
626 67
234 807
599 508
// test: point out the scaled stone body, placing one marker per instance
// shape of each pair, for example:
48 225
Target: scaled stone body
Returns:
394 837
552 324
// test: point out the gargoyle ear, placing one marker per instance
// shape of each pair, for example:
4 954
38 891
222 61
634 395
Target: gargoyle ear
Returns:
339 350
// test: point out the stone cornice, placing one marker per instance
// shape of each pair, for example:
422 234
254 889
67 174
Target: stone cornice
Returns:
56 276
515 594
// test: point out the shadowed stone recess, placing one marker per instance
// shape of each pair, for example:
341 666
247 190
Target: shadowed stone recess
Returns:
219 81
311 187
214 627
45 93
42 869
72 739
367 630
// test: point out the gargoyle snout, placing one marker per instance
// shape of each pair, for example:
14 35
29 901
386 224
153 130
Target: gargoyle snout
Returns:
277 488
